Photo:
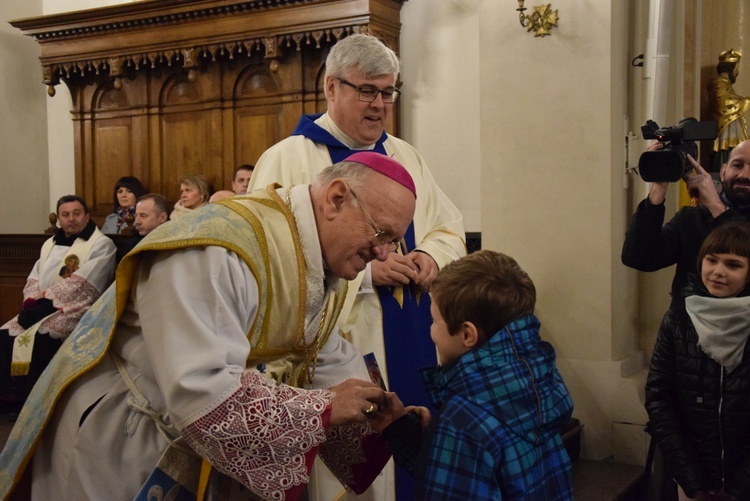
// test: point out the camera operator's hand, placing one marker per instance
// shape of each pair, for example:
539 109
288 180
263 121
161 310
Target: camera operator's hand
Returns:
701 182
658 192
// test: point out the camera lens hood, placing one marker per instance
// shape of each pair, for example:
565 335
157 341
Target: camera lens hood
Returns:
662 166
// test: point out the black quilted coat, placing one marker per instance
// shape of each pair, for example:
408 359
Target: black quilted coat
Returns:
699 413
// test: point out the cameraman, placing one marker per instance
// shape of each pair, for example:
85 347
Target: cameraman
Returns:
649 246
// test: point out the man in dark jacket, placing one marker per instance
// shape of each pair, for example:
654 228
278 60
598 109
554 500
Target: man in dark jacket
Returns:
649 246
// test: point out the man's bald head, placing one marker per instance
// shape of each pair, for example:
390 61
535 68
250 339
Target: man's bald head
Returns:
735 175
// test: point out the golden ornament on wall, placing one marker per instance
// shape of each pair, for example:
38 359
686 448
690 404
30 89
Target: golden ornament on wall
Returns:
540 21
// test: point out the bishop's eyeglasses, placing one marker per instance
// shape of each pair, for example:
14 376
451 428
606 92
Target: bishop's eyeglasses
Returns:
379 239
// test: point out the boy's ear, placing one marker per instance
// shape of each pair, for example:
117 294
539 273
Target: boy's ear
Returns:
470 335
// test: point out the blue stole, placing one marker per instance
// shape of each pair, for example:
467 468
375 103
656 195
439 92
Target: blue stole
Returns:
406 311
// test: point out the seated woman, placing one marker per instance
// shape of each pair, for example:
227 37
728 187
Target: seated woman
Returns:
128 190
194 192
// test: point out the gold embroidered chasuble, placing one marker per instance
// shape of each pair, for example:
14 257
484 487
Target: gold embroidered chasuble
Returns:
261 229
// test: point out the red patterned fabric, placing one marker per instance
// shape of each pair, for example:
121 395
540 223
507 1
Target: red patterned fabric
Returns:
265 435
355 454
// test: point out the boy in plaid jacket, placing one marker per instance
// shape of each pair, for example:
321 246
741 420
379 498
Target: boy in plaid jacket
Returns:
501 401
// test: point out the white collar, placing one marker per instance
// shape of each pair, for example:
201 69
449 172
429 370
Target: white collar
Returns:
326 122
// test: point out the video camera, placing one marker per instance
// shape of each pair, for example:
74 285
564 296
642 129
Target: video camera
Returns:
670 164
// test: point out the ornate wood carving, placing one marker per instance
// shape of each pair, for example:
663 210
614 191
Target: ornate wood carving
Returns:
166 88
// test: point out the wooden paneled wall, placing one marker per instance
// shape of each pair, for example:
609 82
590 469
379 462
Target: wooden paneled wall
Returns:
18 253
166 88
165 124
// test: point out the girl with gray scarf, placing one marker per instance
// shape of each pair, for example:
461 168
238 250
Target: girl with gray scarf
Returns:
698 387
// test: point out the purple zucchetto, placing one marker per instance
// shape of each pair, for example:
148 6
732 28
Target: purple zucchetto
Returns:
388 166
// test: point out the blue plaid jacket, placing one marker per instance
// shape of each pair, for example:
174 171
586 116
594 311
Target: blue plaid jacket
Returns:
496 434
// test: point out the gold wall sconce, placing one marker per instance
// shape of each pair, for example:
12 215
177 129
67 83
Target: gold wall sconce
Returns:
541 21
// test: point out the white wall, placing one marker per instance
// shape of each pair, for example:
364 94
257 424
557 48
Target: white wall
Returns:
23 126
36 131
546 117
558 193
441 105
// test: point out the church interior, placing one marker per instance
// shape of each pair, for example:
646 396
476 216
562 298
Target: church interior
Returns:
533 132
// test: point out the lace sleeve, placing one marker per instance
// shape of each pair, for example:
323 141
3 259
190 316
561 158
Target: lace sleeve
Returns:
264 435
355 454
72 297
31 289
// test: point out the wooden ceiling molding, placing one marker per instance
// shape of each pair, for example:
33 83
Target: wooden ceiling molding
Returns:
120 41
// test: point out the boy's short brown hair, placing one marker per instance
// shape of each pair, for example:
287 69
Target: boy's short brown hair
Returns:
486 288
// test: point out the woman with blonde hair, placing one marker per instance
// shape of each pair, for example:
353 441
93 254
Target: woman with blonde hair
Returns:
195 191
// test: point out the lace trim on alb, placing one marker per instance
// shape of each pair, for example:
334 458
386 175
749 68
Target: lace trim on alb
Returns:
72 297
261 433
31 289
344 449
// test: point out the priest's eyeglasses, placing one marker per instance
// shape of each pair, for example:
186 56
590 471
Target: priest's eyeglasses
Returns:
378 239
369 93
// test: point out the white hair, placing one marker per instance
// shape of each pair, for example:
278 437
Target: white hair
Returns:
363 53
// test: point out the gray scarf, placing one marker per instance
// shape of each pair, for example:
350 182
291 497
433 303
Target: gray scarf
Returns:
723 325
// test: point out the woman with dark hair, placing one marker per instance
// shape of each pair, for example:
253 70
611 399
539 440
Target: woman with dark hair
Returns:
128 190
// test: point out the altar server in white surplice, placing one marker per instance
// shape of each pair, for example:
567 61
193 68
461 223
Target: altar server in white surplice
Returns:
74 267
